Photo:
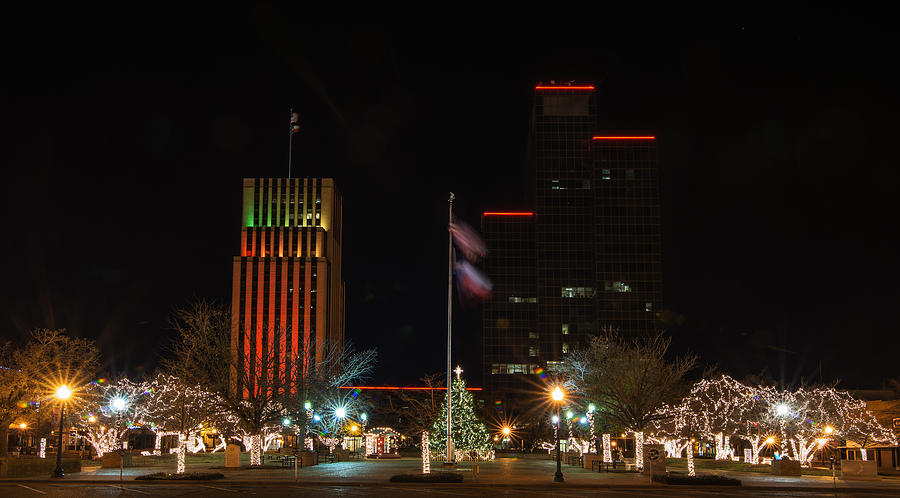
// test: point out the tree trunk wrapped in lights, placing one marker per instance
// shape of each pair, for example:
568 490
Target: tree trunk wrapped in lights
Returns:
426 454
607 450
255 450
639 450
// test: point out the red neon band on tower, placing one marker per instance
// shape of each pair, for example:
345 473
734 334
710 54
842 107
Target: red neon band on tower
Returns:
626 138
540 87
507 213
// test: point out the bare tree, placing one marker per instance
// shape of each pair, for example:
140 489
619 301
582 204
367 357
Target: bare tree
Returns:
257 388
415 411
31 373
630 380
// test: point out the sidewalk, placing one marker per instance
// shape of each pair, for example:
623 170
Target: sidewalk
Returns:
500 473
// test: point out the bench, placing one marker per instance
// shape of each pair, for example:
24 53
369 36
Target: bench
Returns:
288 461
605 466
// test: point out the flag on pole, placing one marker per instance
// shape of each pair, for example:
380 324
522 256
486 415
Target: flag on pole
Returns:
295 122
468 241
471 282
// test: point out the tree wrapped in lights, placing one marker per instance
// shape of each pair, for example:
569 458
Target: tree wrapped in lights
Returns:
108 411
469 433
185 410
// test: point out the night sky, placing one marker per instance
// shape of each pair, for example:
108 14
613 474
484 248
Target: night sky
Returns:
126 136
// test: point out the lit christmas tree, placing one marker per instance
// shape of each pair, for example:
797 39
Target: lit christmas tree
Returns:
468 432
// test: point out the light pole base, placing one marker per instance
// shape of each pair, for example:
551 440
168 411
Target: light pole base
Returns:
558 477
58 474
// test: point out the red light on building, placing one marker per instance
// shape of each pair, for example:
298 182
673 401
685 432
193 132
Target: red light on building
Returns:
542 87
626 138
507 213
403 388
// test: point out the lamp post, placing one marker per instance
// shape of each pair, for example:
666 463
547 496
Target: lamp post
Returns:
62 394
557 396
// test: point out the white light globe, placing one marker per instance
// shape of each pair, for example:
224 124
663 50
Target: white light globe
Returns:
340 412
63 392
781 409
555 419
118 404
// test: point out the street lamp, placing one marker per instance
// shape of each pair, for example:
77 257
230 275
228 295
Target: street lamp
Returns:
62 394
557 396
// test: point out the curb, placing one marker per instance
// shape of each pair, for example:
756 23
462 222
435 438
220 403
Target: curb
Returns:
363 484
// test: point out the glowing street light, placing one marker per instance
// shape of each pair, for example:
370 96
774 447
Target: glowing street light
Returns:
340 412
286 421
781 409
591 408
354 428
92 419
364 417
558 397
505 431
829 429
555 419
118 404
23 425
307 406
62 394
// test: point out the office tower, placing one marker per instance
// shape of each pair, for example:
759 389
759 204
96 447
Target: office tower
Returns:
596 255
288 292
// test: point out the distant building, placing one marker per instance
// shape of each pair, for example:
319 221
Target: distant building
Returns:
587 258
288 291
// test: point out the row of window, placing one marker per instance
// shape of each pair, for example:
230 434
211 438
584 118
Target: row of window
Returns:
512 368
517 299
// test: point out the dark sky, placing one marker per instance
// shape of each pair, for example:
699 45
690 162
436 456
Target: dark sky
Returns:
127 134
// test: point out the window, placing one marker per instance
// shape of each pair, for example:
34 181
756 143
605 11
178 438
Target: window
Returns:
609 286
606 175
648 306
577 292
533 335
555 366
565 348
565 329
532 351
517 299
512 368
629 174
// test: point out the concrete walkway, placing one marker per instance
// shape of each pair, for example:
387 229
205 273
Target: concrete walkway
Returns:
500 473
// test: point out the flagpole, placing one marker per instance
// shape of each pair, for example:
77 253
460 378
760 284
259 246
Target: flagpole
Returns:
450 458
290 143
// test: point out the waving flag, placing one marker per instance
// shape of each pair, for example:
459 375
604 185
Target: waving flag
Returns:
468 241
295 122
471 282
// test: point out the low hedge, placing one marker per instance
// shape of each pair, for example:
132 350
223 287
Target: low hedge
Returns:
710 480
187 476
435 477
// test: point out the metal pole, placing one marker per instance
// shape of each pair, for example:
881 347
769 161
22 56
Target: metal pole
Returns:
450 458
58 472
558 477
290 142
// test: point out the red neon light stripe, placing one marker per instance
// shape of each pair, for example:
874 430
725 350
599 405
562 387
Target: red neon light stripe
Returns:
399 388
508 213
626 138
540 87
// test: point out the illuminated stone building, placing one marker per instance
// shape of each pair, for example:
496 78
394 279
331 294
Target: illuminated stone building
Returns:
288 291
594 258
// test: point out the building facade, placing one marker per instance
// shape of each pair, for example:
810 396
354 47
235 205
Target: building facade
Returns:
594 262
288 291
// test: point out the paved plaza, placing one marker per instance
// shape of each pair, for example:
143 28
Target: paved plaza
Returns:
507 476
